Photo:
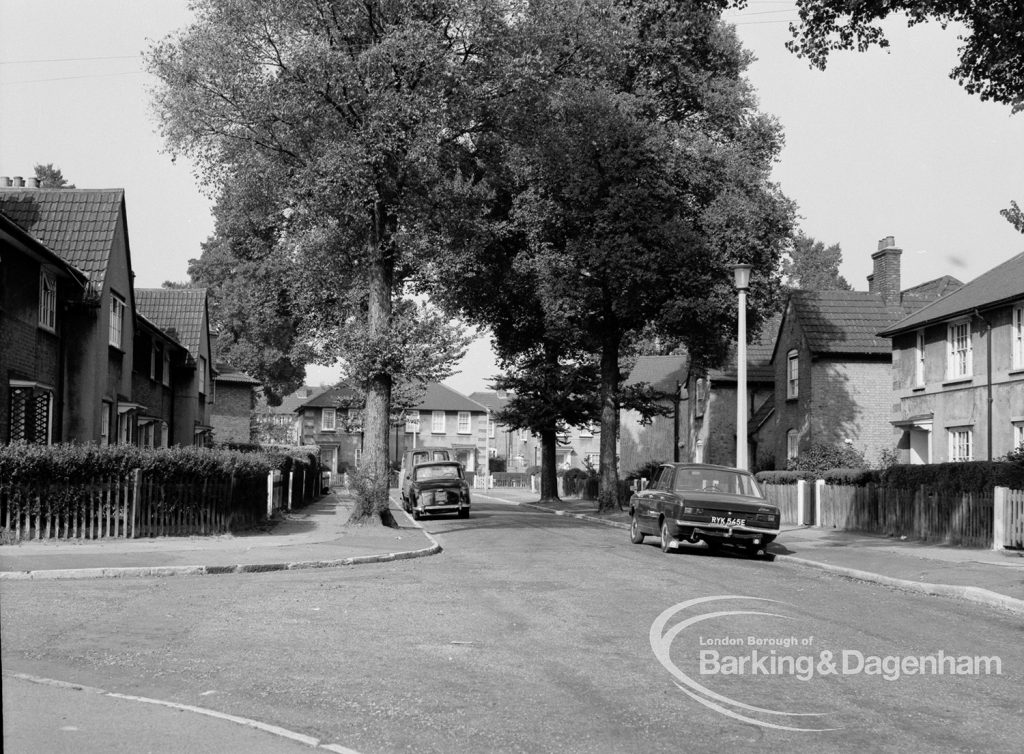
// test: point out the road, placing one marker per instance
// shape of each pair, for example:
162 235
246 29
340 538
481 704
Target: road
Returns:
530 632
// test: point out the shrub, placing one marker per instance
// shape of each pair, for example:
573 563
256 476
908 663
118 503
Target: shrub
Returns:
852 477
968 476
648 471
820 457
784 477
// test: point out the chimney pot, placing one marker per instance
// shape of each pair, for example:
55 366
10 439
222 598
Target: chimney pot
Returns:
886 243
19 182
885 277
5 181
32 182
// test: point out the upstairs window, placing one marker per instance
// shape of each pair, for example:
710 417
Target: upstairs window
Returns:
116 321
465 426
792 375
328 420
202 375
490 427
959 364
1018 337
437 422
47 301
919 359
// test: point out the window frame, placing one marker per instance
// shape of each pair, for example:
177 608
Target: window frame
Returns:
328 426
919 350
792 444
115 330
464 423
105 424
792 375
959 350
47 301
960 439
201 375
438 422
1017 335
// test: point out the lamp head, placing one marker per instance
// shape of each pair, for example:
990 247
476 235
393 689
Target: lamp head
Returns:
742 276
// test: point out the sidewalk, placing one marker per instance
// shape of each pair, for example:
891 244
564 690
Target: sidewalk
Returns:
311 537
989 577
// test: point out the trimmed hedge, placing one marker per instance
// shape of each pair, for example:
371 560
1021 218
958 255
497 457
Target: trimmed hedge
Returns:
968 476
784 477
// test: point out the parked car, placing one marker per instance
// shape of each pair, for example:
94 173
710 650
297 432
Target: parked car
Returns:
693 502
414 456
437 488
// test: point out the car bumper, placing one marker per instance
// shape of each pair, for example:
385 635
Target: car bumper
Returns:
740 534
431 510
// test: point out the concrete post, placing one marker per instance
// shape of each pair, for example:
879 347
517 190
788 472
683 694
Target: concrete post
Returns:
999 517
819 493
801 502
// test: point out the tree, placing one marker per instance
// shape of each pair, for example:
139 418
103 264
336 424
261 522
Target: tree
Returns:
1014 216
991 58
51 177
811 266
346 108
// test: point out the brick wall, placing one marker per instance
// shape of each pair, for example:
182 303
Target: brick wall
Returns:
852 400
231 414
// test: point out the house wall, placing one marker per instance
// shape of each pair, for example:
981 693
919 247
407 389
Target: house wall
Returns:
964 402
470 447
231 413
191 408
641 444
851 401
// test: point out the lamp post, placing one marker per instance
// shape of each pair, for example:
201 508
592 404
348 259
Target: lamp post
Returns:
742 281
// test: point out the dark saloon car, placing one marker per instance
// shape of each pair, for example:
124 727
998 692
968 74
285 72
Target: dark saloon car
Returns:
437 488
693 502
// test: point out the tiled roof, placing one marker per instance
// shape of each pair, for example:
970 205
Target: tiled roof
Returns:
227 373
1002 283
759 356
34 246
844 321
489 400
335 397
440 397
661 372
177 311
78 224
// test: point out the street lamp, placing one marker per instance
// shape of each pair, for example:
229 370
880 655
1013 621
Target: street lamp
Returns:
742 282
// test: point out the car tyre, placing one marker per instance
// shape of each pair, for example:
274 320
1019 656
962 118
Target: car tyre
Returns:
635 535
666 538
463 512
416 515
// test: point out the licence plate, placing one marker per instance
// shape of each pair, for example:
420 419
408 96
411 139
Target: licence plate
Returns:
728 521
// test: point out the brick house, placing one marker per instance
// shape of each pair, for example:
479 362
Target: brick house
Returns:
38 293
958 371
234 400
642 442
87 228
711 408
182 314
444 417
152 386
833 372
332 419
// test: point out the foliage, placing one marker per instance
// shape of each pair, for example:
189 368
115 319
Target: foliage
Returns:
497 464
1014 216
1015 456
784 477
821 457
51 177
648 471
991 58
811 266
969 476
850 477
887 458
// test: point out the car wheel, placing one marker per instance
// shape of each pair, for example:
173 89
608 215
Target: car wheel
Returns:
666 538
416 515
635 535
463 512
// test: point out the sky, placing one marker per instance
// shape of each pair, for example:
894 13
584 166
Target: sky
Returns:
879 144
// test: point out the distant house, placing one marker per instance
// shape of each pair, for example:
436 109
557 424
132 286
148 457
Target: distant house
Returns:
711 408
39 292
446 418
502 442
234 400
833 372
152 383
87 229
332 419
662 438
182 314
958 371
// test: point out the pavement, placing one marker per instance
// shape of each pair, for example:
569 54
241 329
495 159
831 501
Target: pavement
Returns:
316 536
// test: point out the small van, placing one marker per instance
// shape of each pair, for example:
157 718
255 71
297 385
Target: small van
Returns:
415 456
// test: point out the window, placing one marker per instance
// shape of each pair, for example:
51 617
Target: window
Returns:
1018 337
154 363
792 375
327 420
792 444
165 438
105 407
412 421
490 427
354 420
116 321
1018 435
593 459
30 411
437 422
961 446
202 375
919 359
47 301
124 427
959 363
166 372
357 457
464 423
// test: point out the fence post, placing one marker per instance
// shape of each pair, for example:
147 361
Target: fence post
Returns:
801 502
136 494
287 476
999 517
270 494
819 493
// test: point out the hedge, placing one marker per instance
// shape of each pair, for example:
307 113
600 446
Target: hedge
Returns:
967 476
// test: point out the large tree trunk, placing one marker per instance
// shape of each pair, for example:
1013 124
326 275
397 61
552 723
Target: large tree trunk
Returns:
548 470
373 480
608 495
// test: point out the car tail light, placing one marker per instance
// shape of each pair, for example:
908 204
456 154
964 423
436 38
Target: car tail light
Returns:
690 511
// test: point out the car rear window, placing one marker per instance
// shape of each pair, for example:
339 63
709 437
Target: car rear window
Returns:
717 480
437 472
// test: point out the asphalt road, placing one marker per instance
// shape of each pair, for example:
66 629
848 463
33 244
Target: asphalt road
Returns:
530 632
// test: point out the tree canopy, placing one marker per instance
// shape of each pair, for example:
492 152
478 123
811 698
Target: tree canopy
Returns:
811 266
51 177
991 58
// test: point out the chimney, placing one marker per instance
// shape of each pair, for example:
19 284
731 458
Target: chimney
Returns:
885 279
32 183
5 181
19 182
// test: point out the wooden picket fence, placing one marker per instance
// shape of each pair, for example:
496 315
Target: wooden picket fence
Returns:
135 505
1013 519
